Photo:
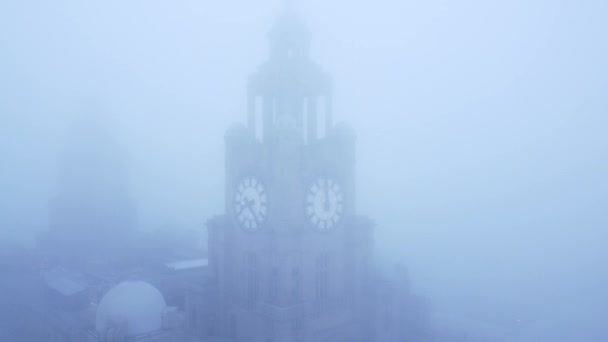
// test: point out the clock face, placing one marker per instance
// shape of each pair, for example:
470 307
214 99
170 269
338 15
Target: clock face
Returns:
250 204
324 203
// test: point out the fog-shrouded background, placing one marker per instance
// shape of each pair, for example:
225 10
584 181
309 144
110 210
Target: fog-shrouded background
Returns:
482 132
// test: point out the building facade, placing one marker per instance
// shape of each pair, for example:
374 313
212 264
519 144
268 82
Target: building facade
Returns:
290 255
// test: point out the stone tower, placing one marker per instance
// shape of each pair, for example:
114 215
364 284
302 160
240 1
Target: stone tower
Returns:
92 216
290 255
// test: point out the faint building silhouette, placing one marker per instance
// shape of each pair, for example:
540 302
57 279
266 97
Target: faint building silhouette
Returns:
92 215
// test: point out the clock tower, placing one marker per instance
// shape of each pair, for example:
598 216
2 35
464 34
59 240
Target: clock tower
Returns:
290 256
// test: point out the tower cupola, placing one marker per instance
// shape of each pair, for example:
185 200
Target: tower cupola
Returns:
289 90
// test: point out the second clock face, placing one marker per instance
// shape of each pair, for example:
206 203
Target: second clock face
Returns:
250 204
324 203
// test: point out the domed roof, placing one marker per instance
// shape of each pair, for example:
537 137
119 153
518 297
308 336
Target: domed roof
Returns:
136 304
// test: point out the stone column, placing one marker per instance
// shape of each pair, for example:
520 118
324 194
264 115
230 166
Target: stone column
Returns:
313 126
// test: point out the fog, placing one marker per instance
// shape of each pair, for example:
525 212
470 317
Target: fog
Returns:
481 133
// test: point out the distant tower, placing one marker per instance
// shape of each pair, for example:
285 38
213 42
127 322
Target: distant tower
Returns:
290 255
92 215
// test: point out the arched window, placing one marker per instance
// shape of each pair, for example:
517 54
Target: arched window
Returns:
252 277
296 280
322 279
274 284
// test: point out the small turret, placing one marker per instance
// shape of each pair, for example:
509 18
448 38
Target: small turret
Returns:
289 87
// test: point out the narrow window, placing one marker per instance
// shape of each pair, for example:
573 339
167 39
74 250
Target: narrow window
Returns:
276 111
305 123
252 277
296 283
321 117
274 284
322 279
296 326
259 117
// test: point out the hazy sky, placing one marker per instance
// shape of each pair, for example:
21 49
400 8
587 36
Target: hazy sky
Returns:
482 145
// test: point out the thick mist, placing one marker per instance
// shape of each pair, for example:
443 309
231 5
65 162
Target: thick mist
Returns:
481 133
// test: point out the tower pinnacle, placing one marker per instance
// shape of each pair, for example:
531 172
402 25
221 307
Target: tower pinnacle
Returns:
289 91
289 5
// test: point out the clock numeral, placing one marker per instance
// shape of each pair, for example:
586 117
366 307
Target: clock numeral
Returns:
250 205
324 203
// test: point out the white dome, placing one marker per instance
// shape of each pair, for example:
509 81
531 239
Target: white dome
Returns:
137 304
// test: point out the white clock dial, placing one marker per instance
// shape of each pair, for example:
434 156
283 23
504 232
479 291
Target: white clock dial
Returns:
250 204
324 203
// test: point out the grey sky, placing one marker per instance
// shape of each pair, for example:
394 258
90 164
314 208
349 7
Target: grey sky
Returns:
481 127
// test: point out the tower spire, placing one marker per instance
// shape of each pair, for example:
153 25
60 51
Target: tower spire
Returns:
289 6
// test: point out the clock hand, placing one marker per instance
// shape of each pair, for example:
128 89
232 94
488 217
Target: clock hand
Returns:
326 204
249 206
